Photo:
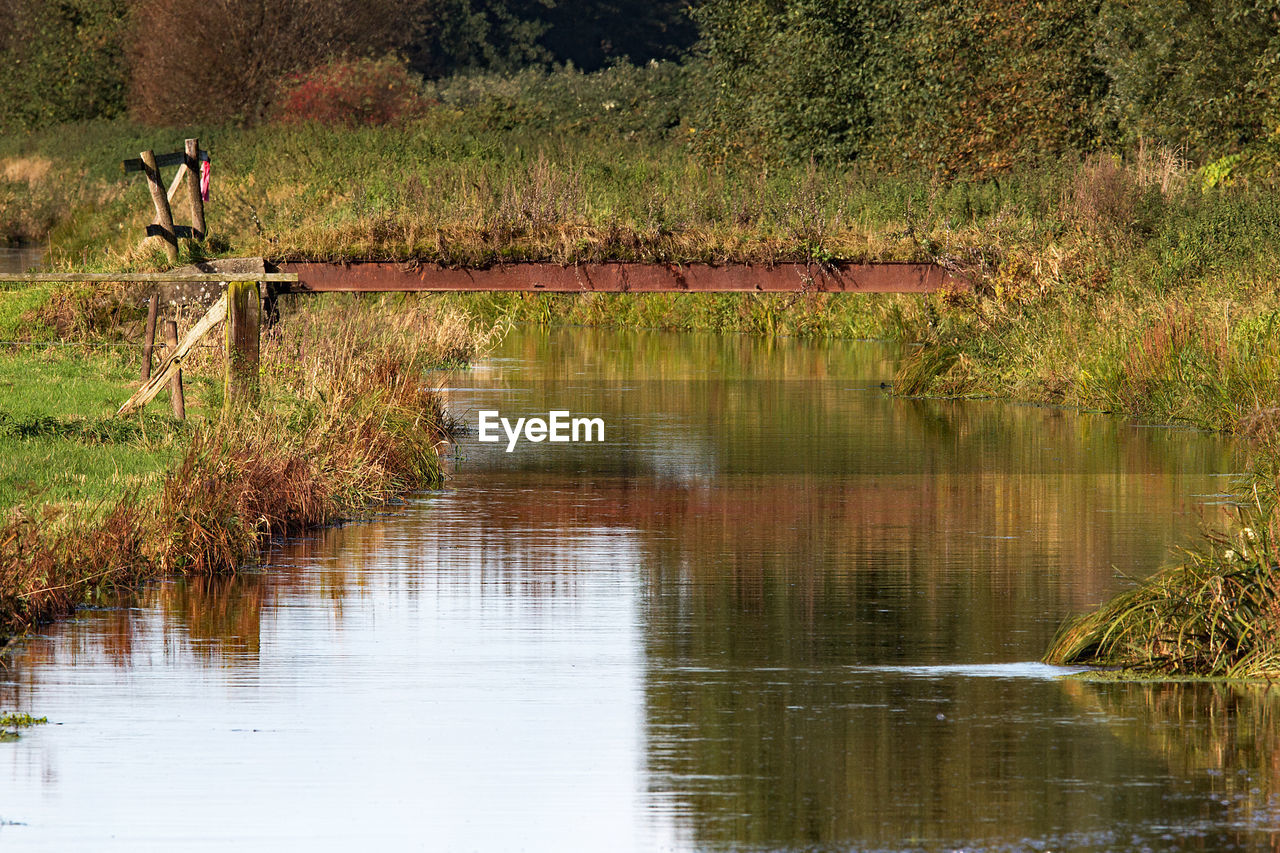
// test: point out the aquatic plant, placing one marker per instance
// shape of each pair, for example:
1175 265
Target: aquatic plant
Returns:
11 722
1216 613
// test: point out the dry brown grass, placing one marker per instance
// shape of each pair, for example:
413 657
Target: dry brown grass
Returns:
30 170
1108 194
1164 168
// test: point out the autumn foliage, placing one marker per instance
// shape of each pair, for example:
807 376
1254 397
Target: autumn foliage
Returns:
352 92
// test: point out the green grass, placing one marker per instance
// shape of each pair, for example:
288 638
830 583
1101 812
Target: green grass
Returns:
59 441
19 305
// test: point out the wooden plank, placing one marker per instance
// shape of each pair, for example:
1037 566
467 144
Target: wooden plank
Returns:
175 384
35 277
244 323
173 362
626 278
149 341
176 182
164 216
175 159
192 165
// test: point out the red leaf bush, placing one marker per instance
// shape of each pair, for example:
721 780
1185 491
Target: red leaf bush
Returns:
352 92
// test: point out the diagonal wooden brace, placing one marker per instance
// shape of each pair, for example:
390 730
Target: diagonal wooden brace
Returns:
173 363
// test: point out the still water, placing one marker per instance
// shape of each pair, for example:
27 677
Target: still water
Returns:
17 259
776 609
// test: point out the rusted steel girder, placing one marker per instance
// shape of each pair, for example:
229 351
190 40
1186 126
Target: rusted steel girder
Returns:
369 277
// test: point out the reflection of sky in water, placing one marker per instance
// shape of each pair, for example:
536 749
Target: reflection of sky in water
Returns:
785 614
435 706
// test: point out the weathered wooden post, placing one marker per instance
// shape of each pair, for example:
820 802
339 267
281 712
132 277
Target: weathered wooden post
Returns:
149 342
244 322
175 384
193 184
164 216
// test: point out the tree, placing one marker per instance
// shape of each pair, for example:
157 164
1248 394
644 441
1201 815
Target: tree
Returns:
979 85
957 85
795 78
1203 75
220 60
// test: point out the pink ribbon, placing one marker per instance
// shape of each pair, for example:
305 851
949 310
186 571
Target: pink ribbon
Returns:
205 169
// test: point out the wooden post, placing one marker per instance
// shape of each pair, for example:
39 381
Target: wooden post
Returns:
164 216
175 384
244 322
149 342
193 182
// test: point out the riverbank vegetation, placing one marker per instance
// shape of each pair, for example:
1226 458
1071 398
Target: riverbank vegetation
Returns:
1119 224
347 421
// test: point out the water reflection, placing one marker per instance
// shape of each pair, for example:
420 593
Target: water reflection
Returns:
777 609
18 259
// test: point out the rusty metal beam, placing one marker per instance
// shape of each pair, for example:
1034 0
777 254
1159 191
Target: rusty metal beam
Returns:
370 277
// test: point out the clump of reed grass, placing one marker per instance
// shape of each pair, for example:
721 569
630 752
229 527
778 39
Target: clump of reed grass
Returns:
1215 614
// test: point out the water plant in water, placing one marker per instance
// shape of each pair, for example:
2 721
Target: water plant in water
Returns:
10 724
1217 613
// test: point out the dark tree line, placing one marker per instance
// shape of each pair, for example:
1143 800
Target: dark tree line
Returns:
946 85
66 60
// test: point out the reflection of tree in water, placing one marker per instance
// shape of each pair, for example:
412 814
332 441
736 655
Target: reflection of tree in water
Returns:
199 620
1224 735
801 531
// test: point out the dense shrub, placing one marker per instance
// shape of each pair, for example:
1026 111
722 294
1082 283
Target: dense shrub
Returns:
60 61
979 85
1203 75
646 102
351 92
795 79
976 86
948 86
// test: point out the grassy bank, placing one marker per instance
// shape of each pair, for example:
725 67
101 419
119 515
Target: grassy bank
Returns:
563 167
346 422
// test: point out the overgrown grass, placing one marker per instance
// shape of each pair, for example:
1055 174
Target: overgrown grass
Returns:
563 167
